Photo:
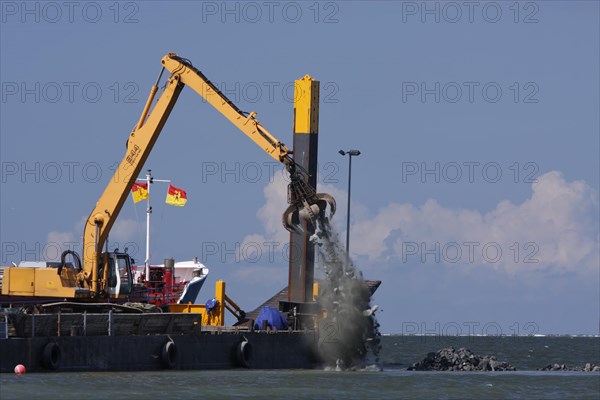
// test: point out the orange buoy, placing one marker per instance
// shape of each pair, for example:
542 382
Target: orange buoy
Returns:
20 369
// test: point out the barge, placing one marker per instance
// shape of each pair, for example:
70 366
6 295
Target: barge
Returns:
114 337
200 349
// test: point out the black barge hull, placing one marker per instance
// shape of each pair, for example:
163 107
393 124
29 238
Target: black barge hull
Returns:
263 350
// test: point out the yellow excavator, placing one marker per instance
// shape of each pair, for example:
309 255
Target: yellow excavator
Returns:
100 275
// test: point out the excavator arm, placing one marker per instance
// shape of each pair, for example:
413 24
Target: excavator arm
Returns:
305 203
246 122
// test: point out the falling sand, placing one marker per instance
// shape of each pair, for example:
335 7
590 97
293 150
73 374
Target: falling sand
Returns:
349 334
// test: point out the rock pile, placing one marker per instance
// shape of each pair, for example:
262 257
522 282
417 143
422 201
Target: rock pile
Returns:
589 367
449 359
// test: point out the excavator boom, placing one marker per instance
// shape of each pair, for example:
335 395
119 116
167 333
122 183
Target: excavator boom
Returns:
94 276
305 203
246 122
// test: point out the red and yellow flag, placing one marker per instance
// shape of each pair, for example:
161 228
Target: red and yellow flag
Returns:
139 191
176 196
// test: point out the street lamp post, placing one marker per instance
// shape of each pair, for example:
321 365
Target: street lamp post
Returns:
350 154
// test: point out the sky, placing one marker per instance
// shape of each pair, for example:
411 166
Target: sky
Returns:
474 199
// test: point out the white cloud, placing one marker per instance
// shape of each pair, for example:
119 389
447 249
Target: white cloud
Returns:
56 243
275 203
556 228
125 230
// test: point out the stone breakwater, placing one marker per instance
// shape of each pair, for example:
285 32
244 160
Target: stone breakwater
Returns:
450 359
588 367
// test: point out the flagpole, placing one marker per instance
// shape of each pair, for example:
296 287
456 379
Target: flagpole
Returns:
148 212
149 181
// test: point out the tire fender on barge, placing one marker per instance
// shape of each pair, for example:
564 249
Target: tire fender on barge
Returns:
51 356
243 353
168 355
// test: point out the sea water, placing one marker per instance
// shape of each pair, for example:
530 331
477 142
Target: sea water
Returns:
397 353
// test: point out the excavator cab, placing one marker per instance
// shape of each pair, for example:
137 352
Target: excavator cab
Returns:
120 278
